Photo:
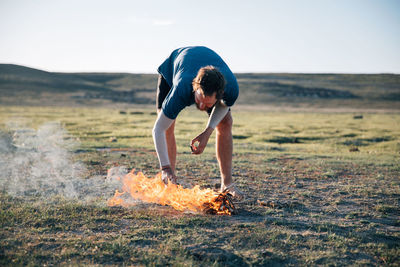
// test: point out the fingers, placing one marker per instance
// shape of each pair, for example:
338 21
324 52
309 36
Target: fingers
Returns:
201 141
196 146
173 180
198 149
167 179
167 176
194 140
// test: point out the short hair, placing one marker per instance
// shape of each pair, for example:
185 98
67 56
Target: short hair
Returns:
210 80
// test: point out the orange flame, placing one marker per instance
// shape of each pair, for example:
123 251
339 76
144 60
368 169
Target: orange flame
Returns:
154 190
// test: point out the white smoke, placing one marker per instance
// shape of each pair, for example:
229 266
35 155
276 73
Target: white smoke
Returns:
39 163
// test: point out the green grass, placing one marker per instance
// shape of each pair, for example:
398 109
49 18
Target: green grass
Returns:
310 200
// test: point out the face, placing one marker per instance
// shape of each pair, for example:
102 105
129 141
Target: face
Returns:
204 102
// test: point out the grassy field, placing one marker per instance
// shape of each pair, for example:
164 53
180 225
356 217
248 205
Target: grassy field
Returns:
321 189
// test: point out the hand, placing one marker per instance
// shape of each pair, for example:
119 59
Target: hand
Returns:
167 174
202 140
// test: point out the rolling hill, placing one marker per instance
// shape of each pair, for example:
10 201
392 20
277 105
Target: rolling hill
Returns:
21 85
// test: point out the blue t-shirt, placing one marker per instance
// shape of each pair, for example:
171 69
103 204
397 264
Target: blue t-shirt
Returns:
179 70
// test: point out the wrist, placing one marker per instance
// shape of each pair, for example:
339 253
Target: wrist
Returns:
166 168
209 130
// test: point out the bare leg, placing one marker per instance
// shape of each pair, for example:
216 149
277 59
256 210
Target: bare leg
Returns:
224 149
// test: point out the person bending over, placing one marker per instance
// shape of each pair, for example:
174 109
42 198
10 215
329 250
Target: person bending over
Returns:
196 75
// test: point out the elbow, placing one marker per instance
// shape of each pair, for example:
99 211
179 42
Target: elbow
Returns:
161 125
154 131
157 131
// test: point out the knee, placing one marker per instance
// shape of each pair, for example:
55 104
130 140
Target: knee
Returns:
226 124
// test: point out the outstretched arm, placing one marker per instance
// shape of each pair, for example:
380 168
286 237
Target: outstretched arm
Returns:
161 125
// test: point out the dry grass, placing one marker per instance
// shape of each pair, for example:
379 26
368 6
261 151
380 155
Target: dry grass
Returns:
310 201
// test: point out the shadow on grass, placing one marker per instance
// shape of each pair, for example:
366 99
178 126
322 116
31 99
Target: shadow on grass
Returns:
292 139
240 137
366 141
211 254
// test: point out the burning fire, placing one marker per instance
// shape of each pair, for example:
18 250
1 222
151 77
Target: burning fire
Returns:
154 190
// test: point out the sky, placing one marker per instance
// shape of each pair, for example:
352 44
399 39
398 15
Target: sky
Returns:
303 36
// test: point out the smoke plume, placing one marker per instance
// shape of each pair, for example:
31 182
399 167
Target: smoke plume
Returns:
39 164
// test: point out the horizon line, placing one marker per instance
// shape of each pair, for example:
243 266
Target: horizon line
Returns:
235 72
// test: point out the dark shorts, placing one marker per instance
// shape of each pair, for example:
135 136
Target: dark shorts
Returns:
162 91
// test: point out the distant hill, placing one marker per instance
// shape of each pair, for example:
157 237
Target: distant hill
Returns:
21 85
